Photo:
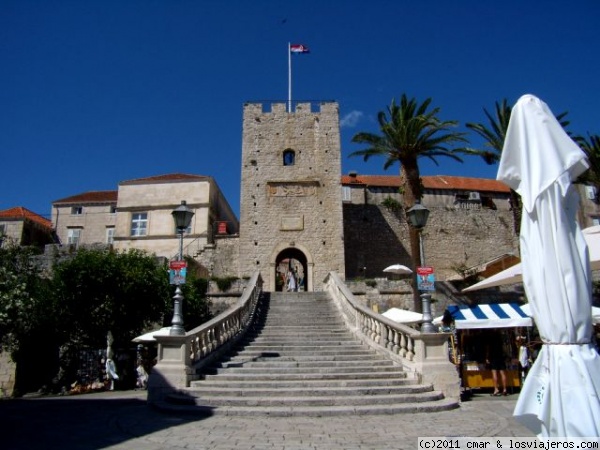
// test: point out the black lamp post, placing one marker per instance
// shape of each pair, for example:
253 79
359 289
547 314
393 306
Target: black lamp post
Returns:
417 216
183 217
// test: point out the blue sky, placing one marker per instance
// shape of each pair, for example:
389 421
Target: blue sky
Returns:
96 92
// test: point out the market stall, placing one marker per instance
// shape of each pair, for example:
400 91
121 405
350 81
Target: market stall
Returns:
475 326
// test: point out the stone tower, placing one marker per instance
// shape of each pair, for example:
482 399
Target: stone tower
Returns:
291 204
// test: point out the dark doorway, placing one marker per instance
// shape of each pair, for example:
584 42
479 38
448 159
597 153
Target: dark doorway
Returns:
291 271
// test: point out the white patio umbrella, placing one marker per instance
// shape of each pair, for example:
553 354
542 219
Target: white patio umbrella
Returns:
560 396
403 315
514 274
398 269
149 337
595 312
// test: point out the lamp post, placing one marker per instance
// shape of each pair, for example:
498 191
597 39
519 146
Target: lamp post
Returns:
183 217
418 215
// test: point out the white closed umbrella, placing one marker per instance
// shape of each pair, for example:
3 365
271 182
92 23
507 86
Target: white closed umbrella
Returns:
398 269
560 396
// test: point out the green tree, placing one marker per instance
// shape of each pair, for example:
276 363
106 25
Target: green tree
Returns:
105 290
410 131
28 325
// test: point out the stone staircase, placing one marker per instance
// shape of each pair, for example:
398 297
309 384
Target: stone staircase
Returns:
300 359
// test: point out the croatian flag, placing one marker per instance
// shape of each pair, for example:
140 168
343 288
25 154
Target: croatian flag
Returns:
299 48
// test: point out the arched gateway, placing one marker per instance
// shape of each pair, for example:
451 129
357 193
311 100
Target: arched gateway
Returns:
292 271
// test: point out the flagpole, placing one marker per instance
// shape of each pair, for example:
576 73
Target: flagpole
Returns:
289 77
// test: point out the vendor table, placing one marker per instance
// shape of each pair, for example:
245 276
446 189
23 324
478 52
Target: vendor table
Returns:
475 375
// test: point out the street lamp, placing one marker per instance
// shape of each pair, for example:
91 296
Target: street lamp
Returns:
182 216
418 215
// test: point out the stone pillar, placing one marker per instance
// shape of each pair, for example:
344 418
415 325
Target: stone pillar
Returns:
7 375
172 370
432 362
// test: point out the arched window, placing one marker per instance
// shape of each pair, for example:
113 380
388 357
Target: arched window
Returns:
289 157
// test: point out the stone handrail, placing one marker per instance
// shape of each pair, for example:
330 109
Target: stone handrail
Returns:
209 337
180 358
423 354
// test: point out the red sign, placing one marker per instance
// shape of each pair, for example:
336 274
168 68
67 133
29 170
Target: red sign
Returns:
222 228
427 270
177 265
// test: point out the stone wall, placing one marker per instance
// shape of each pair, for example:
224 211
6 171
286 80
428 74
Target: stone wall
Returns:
376 237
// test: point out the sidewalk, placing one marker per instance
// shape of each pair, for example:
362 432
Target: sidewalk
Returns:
122 420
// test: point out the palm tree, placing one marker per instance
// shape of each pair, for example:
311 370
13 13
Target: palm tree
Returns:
410 131
494 136
591 147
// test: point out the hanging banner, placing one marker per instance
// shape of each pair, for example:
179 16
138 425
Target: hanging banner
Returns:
177 272
425 279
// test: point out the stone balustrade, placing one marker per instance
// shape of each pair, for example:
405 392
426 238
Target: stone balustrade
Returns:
180 358
425 355
422 355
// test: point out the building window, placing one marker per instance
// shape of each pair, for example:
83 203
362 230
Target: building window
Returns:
73 236
113 209
76 210
591 192
289 157
110 235
346 193
139 224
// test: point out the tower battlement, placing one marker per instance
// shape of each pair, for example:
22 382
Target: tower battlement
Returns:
300 107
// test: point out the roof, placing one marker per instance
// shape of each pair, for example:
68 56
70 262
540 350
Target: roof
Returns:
442 182
496 315
21 213
168 178
90 197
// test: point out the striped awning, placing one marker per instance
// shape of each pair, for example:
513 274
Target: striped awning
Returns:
496 315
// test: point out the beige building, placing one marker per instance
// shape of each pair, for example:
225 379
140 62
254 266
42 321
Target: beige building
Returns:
138 215
144 219
438 191
20 226
589 212
85 219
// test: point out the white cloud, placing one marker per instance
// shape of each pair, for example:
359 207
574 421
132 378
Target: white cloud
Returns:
351 119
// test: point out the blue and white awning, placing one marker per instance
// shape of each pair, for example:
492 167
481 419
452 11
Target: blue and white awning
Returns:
497 315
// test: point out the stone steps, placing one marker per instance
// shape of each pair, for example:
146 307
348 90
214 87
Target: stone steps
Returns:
299 359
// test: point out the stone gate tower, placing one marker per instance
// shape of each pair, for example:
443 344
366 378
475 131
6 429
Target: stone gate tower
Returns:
291 201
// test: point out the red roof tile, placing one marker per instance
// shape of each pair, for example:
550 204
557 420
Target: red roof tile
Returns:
21 213
431 182
168 178
90 197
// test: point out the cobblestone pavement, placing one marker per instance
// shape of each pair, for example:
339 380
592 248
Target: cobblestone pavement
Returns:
123 420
